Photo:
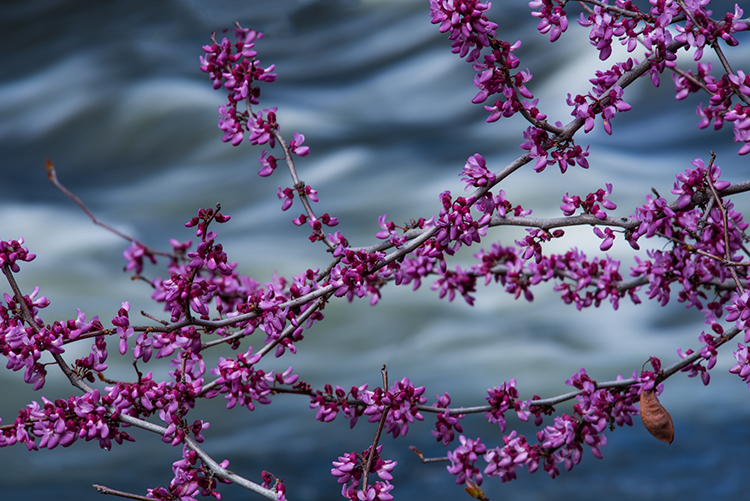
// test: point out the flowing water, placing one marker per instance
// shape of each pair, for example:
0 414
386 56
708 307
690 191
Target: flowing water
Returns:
112 93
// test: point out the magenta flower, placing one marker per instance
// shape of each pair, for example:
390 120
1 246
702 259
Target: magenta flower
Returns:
296 145
268 163
11 251
462 460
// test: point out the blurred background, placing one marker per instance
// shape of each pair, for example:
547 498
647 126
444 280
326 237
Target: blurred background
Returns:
111 92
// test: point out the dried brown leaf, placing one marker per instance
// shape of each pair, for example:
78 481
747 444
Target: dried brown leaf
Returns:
655 417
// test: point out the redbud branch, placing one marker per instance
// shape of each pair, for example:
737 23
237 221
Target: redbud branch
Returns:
267 348
728 68
291 327
692 79
542 124
78 383
217 469
611 8
74 378
572 127
147 315
688 14
725 220
425 460
371 455
620 383
112 492
52 176
298 185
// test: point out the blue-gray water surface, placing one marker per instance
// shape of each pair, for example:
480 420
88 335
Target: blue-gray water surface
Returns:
112 93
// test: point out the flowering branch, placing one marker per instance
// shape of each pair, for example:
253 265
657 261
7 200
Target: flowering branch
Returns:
210 304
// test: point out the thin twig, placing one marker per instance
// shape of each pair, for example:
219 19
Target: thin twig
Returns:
725 221
371 455
299 186
112 492
52 176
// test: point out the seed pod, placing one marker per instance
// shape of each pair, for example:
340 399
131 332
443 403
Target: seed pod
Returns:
655 417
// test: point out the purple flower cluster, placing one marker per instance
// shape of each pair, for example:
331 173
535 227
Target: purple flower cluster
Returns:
560 443
134 256
698 32
463 459
476 173
446 424
271 482
590 204
235 66
742 367
595 411
62 422
187 289
456 226
699 237
24 346
244 384
449 282
493 78
316 223
12 251
329 402
605 102
602 275
400 403
191 478
349 470
547 151
469 28
515 453
552 17
389 231
356 275
502 398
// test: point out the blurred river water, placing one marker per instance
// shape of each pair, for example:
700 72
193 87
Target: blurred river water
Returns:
112 93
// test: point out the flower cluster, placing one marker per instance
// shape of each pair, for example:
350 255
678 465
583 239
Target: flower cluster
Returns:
12 251
705 230
463 459
349 470
191 478
700 242
400 403
606 102
62 422
561 442
552 17
390 232
134 256
271 482
476 172
316 223
355 275
244 384
24 346
504 397
446 424
590 204
235 66
469 28
547 151
329 402
456 226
